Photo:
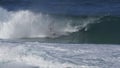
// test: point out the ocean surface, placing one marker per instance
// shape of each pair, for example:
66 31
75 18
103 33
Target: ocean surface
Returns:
59 33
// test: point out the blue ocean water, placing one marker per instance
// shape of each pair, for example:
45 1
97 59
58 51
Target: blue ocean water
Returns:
59 34
74 7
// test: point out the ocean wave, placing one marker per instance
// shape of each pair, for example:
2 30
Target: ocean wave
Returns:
26 24
42 27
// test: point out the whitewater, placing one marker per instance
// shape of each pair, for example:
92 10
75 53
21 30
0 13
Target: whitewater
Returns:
55 55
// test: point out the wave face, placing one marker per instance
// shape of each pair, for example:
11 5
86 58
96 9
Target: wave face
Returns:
26 24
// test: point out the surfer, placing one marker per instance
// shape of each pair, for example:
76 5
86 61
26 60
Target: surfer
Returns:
51 29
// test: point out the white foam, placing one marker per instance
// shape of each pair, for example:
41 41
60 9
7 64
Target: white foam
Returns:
15 65
35 55
46 55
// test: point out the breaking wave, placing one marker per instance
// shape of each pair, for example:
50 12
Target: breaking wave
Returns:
26 24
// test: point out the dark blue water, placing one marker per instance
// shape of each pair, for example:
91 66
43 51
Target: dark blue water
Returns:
72 7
